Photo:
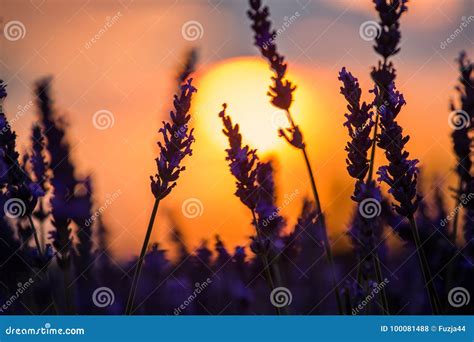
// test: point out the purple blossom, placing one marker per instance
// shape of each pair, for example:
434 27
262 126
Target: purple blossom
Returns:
14 177
390 11
63 180
401 173
366 232
243 162
282 90
177 140
387 42
268 214
460 135
38 157
359 124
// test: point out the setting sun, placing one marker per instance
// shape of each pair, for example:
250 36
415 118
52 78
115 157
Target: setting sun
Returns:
243 83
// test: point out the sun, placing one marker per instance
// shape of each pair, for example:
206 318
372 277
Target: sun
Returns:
243 84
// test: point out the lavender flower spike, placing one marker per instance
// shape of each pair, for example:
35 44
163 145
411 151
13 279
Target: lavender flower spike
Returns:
242 162
176 145
401 173
255 189
401 176
359 123
282 90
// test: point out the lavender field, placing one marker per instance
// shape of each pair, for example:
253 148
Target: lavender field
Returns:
266 197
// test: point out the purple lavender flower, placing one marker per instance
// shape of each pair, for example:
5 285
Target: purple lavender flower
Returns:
243 162
359 123
282 90
460 135
268 214
38 158
177 140
401 173
16 181
387 42
189 66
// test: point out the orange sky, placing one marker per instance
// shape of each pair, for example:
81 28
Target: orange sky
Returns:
129 71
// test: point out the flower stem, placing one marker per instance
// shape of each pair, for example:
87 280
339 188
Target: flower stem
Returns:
266 264
321 220
378 273
433 296
373 148
138 268
454 234
35 234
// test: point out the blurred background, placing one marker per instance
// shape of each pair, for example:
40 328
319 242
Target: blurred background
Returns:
121 58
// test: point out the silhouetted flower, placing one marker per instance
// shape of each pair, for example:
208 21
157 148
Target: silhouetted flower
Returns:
390 11
387 41
63 180
38 157
268 214
243 162
465 114
401 173
359 124
282 90
177 140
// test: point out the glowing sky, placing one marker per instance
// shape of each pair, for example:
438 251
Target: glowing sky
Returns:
129 71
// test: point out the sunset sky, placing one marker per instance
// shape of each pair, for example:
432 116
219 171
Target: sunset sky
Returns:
130 70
